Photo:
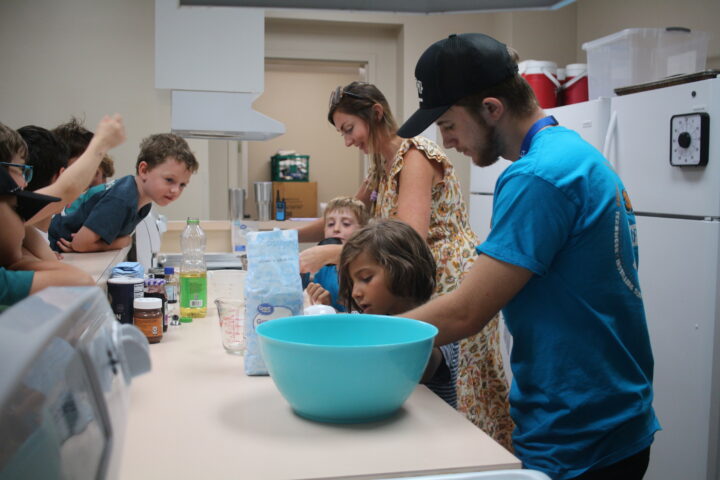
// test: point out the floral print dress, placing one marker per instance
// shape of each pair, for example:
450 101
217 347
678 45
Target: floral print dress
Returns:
481 387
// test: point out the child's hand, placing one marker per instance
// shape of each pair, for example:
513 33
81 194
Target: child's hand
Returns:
66 245
110 132
318 295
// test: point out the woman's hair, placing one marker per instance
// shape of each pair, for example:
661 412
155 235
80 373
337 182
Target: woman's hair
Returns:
408 262
348 203
514 91
11 143
357 99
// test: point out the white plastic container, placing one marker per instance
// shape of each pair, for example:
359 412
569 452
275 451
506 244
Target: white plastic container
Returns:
640 55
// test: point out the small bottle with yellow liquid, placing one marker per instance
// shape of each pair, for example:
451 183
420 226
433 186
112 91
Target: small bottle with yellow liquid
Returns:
193 272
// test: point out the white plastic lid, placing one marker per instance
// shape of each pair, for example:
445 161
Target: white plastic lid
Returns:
147 303
125 280
318 310
575 69
537 66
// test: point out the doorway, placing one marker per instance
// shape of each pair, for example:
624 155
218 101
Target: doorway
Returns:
296 94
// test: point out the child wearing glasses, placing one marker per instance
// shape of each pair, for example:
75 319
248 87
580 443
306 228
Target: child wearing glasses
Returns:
107 219
343 216
386 268
21 272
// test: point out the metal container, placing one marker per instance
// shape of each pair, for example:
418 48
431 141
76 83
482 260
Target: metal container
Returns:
236 198
263 199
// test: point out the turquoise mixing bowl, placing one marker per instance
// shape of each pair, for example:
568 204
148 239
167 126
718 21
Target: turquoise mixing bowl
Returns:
346 368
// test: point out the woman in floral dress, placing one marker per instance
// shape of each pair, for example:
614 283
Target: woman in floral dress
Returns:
412 180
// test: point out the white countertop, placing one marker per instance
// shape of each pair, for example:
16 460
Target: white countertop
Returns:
196 415
98 264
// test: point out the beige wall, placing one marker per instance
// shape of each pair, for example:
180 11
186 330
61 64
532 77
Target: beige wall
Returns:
297 95
88 57
598 18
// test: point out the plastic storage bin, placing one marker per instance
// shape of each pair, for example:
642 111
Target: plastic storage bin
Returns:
641 55
290 168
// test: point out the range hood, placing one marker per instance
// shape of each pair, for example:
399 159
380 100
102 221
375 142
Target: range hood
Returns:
212 59
221 115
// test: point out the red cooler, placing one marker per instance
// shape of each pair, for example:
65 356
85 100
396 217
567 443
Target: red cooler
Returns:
542 78
576 86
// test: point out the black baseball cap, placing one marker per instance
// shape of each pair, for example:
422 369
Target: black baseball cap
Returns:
29 203
452 69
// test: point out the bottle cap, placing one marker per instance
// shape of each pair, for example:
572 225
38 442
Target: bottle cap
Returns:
147 303
169 270
186 319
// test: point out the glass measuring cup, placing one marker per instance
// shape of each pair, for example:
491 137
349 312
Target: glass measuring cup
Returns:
231 313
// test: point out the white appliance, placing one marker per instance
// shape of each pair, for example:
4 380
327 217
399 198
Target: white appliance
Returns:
678 227
67 365
148 236
213 60
677 205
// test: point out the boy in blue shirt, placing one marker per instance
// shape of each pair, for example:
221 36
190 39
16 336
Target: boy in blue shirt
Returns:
343 216
106 220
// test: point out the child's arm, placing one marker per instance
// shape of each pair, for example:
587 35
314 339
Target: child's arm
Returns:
436 359
36 245
74 180
318 295
85 240
53 273
13 233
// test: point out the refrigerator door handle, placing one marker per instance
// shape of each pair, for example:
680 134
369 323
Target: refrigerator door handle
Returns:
609 137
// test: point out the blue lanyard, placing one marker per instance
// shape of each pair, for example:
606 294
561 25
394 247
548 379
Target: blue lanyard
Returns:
537 126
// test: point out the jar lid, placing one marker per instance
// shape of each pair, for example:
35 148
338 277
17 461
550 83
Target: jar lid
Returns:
147 303
125 280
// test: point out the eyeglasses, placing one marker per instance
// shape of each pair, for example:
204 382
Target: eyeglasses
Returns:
25 170
339 93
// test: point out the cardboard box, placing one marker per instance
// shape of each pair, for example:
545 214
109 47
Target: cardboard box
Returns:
300 198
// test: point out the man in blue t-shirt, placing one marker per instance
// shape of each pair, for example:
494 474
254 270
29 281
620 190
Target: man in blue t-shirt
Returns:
560 261
106 219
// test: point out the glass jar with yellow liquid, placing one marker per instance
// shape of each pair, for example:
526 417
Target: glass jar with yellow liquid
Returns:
193 272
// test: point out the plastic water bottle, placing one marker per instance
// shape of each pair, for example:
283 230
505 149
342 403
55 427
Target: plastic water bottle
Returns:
193 272
239 237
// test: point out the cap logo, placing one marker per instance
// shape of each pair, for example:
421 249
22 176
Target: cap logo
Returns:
419 86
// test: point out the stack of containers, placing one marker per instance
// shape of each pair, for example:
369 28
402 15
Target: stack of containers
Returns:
640 55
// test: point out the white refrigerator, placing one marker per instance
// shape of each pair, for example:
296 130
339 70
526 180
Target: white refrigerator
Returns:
658 141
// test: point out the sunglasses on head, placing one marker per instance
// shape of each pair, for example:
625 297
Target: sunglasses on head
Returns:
25 170
339 93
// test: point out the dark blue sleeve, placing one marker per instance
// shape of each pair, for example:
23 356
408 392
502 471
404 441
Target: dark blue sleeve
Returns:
109 217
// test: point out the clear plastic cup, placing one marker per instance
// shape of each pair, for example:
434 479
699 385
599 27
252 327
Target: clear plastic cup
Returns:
231 313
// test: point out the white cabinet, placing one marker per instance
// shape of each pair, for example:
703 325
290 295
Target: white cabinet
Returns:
219 49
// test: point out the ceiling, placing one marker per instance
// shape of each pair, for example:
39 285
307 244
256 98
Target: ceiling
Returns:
400 6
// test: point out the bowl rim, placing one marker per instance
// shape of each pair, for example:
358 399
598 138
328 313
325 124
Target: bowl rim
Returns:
339 317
